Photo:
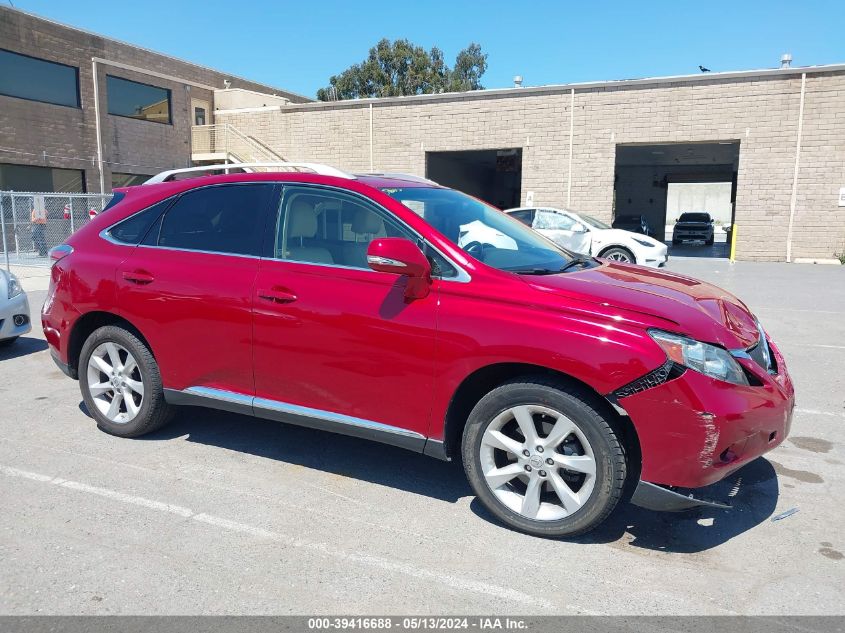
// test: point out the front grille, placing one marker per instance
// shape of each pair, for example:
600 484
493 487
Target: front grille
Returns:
666 372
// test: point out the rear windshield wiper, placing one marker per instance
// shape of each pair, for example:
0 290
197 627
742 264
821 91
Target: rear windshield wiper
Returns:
578 261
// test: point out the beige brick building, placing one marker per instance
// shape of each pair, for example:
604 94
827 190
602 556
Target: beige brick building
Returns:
773 140
571 136
48 136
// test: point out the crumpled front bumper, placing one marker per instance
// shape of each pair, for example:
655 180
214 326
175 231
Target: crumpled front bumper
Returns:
694 430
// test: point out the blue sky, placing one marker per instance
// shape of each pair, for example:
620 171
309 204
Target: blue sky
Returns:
299 45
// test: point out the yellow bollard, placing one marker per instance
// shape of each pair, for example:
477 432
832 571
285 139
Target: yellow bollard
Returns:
733 243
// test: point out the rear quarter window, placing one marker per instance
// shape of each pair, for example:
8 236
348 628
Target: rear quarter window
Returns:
133 229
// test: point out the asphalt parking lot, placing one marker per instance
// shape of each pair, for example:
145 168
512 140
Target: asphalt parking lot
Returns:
223 514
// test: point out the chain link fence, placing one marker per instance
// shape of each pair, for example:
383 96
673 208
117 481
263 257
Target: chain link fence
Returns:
33 223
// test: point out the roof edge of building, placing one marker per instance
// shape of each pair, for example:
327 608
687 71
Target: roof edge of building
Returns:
566 88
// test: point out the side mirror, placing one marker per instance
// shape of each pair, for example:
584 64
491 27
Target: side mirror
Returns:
399 256
579 228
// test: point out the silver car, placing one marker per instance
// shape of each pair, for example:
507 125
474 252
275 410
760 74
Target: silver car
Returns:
14 309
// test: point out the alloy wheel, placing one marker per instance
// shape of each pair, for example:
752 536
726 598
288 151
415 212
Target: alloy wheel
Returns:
537 462
619 256
115 382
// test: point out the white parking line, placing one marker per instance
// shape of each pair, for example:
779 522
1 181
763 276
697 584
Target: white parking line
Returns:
439 578
836 414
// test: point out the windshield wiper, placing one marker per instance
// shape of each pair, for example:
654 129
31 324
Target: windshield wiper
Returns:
532 271
578 261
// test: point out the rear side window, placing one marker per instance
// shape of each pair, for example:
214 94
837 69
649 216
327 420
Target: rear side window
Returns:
224 219
133 229
526 216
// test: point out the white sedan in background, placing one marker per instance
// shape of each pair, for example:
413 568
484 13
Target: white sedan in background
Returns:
14 309
583 234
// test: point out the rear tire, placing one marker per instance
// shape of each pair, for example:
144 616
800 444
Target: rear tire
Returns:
566 479
121 384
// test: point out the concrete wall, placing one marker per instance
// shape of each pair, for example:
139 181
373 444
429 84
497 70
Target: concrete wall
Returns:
760 111
41 134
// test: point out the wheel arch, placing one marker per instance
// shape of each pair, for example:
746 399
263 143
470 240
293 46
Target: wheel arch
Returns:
627 249
86 325
485 379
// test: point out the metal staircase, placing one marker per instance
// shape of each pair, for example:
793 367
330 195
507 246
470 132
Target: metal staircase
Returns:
224 143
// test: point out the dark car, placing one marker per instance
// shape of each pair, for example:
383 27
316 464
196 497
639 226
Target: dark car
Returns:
633 223
693 227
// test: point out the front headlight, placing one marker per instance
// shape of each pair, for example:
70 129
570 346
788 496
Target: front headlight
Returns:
643 242
706 359
14 286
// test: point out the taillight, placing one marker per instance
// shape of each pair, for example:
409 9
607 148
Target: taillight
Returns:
58 253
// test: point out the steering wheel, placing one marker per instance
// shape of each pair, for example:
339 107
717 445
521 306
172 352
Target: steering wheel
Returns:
476 249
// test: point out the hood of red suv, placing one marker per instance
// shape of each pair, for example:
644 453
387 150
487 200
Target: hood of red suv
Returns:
697 309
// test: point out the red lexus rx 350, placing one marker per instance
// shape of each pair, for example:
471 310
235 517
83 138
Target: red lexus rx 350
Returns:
388 307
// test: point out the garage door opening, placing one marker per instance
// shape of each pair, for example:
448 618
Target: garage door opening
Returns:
494 175
661 182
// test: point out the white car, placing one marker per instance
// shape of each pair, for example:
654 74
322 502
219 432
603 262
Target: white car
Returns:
14 309
583 234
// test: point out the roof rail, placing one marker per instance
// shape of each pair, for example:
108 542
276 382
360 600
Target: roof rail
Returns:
399 176
317 168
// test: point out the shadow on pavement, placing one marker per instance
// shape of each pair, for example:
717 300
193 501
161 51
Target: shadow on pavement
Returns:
755 488
24 346
754 498
693 249
329 452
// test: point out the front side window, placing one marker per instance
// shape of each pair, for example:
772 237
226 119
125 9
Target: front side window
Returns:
322 226
226 219
552 221
138 101
38 80
484 232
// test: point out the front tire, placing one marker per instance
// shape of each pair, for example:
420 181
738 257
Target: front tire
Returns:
121 384
543 457
618 254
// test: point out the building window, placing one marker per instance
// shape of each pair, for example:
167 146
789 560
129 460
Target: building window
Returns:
47 179
138 101
38 80
199 116
128 180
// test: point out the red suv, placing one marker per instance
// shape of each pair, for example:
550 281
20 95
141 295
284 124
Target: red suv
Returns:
388 307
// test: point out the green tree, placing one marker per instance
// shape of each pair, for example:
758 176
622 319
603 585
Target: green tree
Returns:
401 68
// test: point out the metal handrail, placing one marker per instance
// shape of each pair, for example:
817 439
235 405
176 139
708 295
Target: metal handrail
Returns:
224 138
317 168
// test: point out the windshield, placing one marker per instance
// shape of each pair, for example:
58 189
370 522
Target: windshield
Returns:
694 217
596 224
483 231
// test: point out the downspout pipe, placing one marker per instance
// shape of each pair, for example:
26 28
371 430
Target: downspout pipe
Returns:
794 200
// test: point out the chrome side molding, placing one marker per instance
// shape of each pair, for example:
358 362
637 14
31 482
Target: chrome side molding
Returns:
295 414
